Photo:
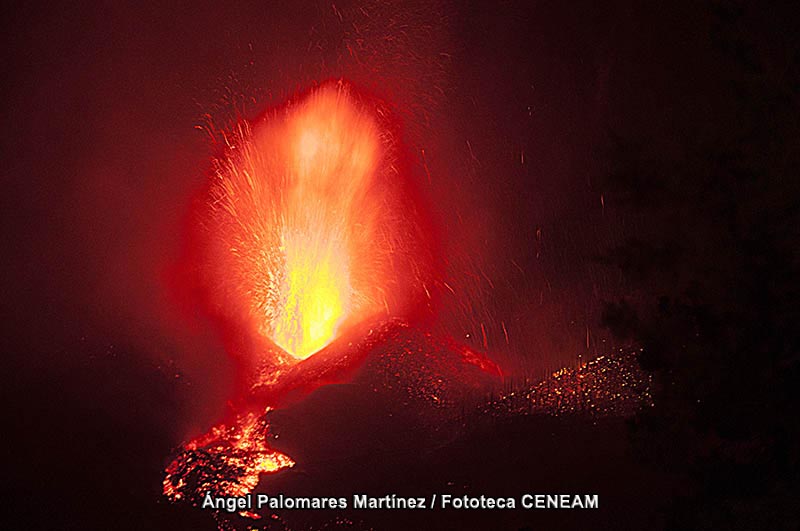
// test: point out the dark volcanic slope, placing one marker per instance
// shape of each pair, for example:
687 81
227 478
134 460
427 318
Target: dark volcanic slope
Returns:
416 419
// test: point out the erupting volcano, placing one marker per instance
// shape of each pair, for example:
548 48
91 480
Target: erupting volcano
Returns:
314 250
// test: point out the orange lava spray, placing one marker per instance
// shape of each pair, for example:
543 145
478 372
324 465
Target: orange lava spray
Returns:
309 226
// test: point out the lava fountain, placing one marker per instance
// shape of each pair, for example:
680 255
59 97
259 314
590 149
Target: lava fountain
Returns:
309 225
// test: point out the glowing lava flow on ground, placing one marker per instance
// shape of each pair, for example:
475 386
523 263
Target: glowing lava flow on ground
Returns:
228 460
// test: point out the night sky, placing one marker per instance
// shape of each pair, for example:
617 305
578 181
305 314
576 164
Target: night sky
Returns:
600 176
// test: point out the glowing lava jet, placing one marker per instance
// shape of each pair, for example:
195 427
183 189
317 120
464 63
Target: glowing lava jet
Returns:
309 229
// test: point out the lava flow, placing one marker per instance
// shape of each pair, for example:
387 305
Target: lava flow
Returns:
227 460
